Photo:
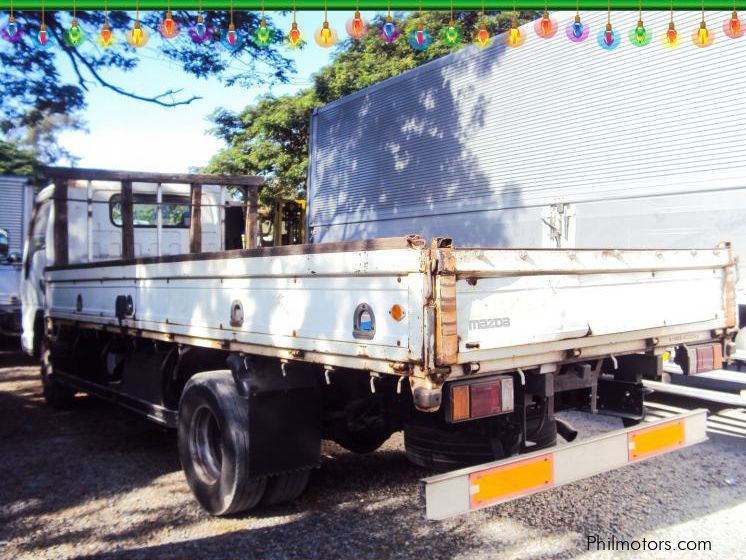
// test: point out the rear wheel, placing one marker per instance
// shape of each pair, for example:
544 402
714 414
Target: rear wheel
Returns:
214 444
55 393
285 488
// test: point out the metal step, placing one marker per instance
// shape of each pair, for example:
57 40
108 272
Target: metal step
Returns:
696 393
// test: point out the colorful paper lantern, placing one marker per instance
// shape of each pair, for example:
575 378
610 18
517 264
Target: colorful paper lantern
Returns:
105 38
545 27
200 33
577 31
168 28
294 36
639 36
483 38
42 39
389 31
137 37
11 30
325 36
263 35
608 39
74 37
671 38
451 35
419 39
231 39
356 26
732 27
514 38
703 37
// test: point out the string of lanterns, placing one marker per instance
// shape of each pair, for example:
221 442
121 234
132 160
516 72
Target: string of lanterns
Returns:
357 28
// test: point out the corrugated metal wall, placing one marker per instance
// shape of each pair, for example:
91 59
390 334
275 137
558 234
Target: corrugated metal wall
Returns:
476 144
12 209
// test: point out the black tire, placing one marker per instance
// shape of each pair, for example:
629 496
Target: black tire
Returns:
214 444
363 441
55 393
284 488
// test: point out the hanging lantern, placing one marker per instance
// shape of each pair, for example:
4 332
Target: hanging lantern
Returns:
137 37
168 28
231 40
451 35
608 39
105 38
74 37
43 40
671 38
389 31
577 31
732 27
11 31
263 35
545 26
514 37
703 37
483 39
419 39
294 37
199 33
356 26
639 36
325 36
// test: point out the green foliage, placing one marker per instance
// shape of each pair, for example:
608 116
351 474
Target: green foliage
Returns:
15 161
271 138
268 139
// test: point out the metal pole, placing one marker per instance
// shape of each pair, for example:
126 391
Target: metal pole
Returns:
89 220
158 219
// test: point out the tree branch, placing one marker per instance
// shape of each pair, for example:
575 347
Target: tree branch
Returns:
75 56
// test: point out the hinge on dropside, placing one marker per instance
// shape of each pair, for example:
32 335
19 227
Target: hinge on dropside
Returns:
443 262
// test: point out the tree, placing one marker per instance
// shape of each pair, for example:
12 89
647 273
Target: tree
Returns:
14 161
33 94
270 138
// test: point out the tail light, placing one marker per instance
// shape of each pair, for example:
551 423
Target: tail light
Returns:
480 398
699 359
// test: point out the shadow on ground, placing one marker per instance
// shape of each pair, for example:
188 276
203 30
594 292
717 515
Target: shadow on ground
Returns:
99 482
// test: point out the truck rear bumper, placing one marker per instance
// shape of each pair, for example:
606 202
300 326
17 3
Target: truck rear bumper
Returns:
481 486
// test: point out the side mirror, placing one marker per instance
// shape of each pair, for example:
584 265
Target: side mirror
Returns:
15 257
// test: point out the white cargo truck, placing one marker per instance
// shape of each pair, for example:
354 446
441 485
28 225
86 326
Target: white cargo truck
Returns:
552 145
255 355
16 201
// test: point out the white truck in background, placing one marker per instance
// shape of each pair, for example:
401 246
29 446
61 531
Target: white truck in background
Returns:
255 355
16 201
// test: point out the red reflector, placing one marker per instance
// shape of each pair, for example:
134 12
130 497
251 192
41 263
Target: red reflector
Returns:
485 398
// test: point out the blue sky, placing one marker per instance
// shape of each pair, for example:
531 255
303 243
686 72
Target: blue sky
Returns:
129 134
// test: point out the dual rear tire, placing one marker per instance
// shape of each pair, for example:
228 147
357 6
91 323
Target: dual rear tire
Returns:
214 450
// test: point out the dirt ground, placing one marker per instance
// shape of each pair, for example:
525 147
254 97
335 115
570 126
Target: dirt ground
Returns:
99 482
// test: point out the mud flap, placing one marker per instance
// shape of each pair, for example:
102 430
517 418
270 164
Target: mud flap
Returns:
284 402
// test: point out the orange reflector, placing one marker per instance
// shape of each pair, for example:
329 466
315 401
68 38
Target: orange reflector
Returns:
498 484
651 441
397 312
459 402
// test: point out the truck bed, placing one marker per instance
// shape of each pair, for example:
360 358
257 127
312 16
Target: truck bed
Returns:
494 309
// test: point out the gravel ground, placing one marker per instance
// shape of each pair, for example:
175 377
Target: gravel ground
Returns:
99 482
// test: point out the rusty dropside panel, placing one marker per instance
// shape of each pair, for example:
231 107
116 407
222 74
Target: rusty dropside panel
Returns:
729 290
444 293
